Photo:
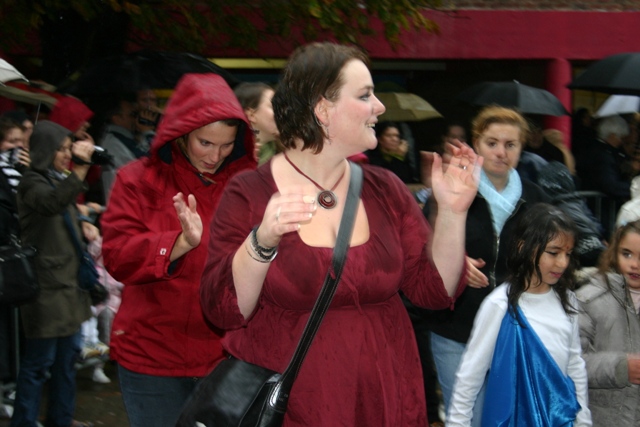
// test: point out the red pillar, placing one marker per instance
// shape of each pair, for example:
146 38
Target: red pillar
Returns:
558 77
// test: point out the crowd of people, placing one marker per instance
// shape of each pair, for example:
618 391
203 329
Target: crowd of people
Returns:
213 220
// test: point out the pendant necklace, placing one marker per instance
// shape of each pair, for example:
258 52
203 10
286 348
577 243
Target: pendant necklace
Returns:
326 198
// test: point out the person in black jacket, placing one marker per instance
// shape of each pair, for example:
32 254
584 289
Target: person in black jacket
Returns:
10 161
601 168
556 180
498 136
391 152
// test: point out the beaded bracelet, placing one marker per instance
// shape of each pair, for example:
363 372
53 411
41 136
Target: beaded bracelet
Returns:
253 256
266 254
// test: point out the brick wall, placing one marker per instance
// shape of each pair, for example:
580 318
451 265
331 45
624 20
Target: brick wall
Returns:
591 5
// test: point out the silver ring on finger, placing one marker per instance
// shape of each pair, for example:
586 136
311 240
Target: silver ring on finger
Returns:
278 215
464 168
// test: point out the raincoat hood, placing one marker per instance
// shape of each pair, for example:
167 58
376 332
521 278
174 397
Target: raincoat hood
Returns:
46 139
71 113
200 99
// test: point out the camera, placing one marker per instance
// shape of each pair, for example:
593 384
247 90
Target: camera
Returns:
100 157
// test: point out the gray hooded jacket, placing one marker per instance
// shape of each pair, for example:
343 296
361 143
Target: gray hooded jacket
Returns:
608 332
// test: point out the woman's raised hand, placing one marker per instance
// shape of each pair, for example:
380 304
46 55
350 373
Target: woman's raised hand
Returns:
284 214
190 220
83 150
454 177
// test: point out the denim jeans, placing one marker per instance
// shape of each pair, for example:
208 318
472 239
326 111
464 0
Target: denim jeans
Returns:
153 401
44 356
447 355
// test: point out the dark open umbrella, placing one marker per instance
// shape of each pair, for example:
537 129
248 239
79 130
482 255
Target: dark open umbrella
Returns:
526 99
139 70
618 74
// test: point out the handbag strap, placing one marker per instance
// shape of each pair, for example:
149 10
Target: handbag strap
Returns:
72 232
67 222
330 282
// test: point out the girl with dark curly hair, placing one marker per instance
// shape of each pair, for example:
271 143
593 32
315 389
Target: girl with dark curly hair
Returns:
525 342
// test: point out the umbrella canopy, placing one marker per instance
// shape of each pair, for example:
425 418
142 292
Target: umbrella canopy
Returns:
618 74
618 104
30 93
526 99
140 70
8 72
406 107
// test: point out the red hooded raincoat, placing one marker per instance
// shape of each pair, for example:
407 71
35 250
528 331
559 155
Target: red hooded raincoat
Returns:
159 328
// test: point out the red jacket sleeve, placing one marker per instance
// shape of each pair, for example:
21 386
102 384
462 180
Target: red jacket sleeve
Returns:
139 232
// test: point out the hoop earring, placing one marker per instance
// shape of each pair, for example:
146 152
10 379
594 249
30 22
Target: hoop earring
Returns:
319 123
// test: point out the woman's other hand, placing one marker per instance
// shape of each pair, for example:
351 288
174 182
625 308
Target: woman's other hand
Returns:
475 277
190 220
284 214
191 225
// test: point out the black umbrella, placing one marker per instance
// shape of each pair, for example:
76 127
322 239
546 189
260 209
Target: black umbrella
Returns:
526 99
143 69
618 74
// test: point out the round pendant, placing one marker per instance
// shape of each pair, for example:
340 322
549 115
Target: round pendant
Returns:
327 199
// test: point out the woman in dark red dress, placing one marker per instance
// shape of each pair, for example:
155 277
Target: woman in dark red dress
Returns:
363 366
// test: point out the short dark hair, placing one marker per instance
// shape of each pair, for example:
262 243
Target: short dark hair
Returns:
6 124
313 72
249 94
534 230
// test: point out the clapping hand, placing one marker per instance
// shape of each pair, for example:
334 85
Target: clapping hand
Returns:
284 214
190 220
454 177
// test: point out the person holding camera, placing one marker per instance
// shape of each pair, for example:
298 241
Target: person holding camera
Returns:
52 321
74 115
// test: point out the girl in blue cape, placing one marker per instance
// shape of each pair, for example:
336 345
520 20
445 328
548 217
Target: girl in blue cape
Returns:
525 342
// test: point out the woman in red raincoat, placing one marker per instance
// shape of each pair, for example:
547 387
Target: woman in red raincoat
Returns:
156 231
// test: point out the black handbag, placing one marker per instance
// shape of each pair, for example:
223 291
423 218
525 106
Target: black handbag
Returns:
18 279
241 394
